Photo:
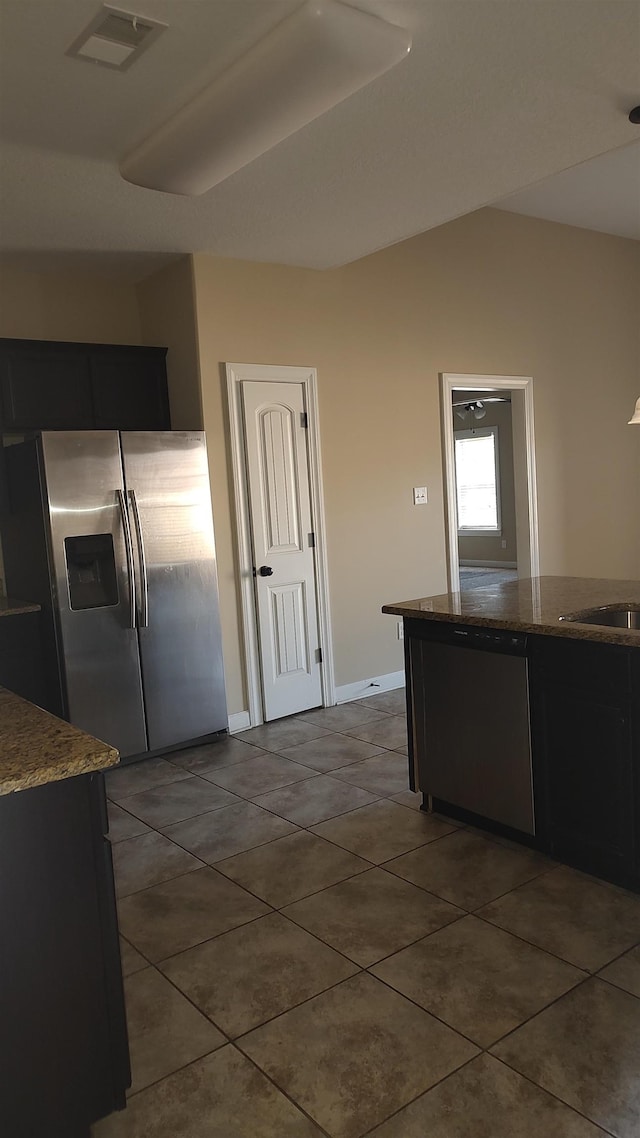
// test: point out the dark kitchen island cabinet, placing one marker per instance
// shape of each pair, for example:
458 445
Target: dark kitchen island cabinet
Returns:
63 1042
580 702
54 385
585 727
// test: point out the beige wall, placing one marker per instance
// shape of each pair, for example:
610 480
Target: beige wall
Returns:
485 547
67 305
491 293
167 316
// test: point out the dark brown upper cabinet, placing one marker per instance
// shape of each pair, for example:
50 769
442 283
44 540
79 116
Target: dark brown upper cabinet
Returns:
52 385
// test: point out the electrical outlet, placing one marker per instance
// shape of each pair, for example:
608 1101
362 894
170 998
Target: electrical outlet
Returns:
419 495
400 630
503 544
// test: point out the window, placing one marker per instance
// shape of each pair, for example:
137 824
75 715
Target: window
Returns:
478 481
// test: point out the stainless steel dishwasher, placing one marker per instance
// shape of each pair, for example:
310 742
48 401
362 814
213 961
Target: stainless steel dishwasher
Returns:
476 751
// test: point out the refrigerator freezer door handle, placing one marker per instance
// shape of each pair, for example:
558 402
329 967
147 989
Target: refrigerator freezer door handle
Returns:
142 561
128 545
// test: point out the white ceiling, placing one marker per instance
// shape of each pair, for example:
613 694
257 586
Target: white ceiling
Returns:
495 96
602 194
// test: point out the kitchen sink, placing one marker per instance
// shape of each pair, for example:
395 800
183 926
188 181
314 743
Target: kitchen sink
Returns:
609 616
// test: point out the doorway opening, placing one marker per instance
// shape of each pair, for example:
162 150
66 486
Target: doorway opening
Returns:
490 484
275 453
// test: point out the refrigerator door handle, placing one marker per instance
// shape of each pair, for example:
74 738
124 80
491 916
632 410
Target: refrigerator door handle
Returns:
142 561
128 545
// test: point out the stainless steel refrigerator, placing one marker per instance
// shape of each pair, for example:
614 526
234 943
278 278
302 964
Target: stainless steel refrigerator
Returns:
114 532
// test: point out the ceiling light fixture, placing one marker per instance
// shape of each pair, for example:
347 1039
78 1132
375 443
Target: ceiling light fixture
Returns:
477 408
306 65
635 418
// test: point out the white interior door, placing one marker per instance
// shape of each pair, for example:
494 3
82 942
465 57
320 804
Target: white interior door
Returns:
283 546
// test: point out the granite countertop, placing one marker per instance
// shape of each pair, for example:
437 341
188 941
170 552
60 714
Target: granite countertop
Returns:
9 607
532 605
36 747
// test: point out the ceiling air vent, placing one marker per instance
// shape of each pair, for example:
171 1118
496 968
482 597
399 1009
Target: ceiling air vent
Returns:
115 38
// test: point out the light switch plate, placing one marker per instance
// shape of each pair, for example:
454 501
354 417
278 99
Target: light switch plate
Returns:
419 495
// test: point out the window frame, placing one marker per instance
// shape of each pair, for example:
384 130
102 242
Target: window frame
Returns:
481 432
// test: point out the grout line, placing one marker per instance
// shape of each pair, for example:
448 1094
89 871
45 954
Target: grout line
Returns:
358 969
130 1097
552 1095
427 1091
174 877
286 1095
610 984
280 1015
294 900
199 943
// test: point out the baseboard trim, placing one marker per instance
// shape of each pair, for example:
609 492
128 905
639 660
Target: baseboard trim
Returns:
239 721
468 563
363 688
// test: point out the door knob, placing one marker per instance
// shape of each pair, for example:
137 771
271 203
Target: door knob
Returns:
265 571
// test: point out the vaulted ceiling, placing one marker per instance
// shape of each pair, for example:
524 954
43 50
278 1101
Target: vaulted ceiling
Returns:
496 96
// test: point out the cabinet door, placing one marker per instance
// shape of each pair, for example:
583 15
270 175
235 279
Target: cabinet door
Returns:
21 669
130 391
584 759
45 388
63 1046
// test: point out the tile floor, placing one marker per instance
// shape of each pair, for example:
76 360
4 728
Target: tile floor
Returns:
306 953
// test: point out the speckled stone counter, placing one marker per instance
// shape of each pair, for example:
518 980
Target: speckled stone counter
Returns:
9 607
532 605
37 748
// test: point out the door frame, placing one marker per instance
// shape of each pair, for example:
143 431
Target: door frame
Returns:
306 377
449 382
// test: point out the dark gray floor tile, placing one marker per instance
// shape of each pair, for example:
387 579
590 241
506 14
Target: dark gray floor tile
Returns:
468 870
487 1100
127 780
282 733
229 831
414 800
585 921
625 972
291 868
391 702
478 979
258 776
390 733
185 911
123 825
585 1049
354 1054
211 756
371 915
165 1031
331 752
148 860
382 830
341 717
162 805
307 803
221 1096
254 973
131 959
386 773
